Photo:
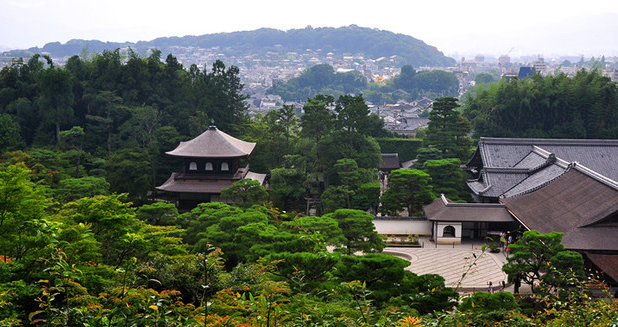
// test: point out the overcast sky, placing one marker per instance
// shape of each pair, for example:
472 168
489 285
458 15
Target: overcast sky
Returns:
455 27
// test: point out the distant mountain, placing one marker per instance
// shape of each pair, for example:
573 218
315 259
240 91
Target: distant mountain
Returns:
352 40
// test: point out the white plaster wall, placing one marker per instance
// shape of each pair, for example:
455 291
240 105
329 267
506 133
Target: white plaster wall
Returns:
440 231
402 227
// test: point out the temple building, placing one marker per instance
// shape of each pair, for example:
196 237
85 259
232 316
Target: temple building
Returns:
548 185
211 162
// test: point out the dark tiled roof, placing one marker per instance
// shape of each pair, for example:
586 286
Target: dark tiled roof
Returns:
532 160
213 143
535 181
598 155
390 161
608 263
576 204
443 209
536 161
204 186
495 181
598 238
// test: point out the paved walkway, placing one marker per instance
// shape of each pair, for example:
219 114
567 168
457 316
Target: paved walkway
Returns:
452 261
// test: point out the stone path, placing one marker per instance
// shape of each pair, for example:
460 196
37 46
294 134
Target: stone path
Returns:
451 263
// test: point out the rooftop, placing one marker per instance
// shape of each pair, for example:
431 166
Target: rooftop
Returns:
213 143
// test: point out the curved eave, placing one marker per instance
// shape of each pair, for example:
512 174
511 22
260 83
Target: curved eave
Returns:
213 143
189 155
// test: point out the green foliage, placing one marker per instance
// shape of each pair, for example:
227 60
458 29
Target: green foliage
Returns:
305 271
484 78
541 257
286 187
447 178
342 145
127 173
21 205
426 154
358 229
334 198
158 213
245 193
407 189
70 189
56 97
366 197
322 231
448 130
111 221
583 106
436 82
388 282
405 80
10 138
406 148
95 262
319 79
486 302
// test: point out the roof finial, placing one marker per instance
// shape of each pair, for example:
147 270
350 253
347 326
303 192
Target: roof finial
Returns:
212 124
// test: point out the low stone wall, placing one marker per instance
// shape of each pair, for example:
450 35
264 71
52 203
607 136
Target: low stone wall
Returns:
402 225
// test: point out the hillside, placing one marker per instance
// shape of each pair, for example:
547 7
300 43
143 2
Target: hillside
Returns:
350 40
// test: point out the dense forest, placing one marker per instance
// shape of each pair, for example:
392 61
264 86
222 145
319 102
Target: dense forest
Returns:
409 85
373 43
583 106
83 244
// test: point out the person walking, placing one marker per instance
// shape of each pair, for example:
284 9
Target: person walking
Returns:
490 287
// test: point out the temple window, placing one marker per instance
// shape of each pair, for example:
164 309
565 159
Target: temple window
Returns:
449 231
192 165
225 166
208 166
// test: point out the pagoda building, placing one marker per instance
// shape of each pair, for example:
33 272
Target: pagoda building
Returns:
211 162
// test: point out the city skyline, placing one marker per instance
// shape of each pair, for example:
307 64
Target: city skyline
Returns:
545 28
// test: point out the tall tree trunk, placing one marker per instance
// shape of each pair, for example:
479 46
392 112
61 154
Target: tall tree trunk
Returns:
58 133
79 160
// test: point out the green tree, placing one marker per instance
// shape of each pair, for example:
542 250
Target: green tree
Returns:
317 120
352 114
227 103
335 197
56 97
487 302
288 122
343 145
21 205
127 173
245 193
532 256
74 139
367 197
113 222
10 138
104 113
358 229
158 213
447 131
426 154
70 189
407 189
447 178
437 82
405 80
321 231
286 187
